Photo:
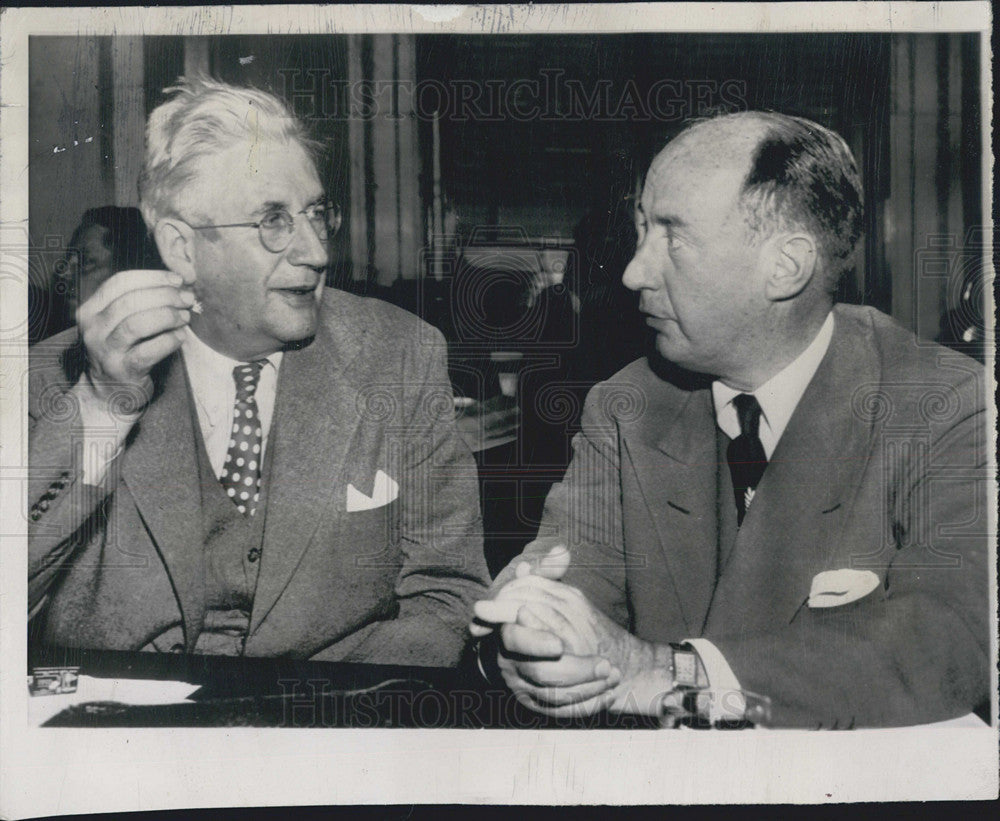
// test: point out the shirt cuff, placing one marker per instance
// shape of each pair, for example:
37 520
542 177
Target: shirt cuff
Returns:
104 432
724 697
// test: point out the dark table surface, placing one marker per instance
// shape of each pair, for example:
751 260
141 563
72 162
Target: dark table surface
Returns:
282 692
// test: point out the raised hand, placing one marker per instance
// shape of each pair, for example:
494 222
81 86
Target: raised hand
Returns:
132 322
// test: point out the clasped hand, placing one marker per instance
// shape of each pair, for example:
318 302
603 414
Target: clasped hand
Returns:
560 655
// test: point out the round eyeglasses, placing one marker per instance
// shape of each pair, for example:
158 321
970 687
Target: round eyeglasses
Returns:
278 227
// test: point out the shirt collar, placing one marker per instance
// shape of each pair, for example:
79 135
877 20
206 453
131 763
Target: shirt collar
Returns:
207 370
780 395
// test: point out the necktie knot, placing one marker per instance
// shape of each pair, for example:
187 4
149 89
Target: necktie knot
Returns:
247 377
748 412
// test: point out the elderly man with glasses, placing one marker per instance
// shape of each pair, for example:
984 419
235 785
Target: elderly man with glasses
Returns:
248 465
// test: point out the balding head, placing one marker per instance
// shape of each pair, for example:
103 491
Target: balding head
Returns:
745 224
796 175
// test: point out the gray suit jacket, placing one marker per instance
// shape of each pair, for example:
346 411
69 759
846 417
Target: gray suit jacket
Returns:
114 566
881 468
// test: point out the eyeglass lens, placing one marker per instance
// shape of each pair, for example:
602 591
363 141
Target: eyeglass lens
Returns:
276 233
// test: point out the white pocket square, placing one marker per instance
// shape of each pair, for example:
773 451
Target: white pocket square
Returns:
833 588
385 491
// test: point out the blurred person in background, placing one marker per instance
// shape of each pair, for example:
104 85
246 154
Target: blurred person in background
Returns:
107 240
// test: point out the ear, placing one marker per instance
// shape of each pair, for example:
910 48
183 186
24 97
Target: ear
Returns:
792 263
175 241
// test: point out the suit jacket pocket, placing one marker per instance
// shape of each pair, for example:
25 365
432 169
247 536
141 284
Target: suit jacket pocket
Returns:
836 588
374 536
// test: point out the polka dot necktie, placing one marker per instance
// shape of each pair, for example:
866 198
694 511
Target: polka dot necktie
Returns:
746 456
241 472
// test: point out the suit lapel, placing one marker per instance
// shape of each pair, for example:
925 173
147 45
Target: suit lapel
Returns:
681 496
807 492
160 470
315 421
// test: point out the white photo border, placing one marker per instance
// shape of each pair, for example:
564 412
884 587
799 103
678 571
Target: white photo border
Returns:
54 771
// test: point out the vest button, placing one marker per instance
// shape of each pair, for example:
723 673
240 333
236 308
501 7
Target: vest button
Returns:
253 554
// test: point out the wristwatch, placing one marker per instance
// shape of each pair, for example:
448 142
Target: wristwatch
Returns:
689 701
688 679
686 667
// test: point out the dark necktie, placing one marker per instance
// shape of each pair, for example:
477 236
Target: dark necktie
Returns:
745 454
241 472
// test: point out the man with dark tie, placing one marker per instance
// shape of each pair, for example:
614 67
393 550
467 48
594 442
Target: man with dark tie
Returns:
227 458
780 518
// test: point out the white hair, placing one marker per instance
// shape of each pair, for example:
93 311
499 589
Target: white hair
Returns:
205 117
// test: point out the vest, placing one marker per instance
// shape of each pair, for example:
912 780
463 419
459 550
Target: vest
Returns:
232 552
233 545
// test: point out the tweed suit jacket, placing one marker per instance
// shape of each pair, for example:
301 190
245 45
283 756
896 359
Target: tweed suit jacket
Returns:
367 402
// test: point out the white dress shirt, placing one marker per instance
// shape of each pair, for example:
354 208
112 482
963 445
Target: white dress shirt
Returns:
211 376
778 398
